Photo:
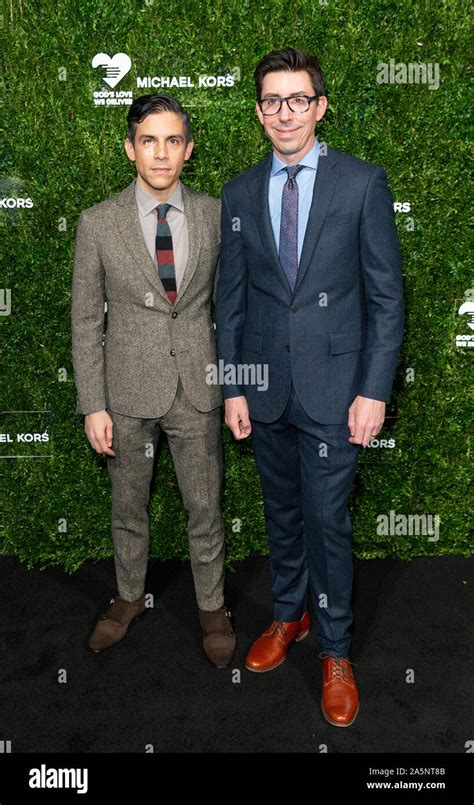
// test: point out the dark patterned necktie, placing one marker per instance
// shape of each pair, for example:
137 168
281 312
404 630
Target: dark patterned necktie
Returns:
164 253
289 226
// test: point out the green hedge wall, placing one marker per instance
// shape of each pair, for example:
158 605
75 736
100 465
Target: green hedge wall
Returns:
65 154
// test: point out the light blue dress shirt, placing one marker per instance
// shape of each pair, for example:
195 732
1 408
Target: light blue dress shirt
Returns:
305 180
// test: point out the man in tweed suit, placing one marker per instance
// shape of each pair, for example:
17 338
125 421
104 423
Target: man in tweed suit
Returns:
151 253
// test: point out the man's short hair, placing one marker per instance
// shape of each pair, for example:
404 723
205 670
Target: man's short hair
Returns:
149 104
290 60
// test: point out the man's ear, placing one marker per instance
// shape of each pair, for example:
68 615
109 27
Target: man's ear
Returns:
189 149
322 105
130 150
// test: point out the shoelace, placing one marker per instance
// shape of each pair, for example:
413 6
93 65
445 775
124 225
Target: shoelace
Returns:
338 669
277 626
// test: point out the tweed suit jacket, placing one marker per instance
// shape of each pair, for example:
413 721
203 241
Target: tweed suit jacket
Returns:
132 366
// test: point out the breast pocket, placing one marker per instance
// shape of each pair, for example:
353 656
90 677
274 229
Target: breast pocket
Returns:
337 220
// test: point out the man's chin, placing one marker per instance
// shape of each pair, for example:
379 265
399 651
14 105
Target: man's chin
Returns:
287 148
160 182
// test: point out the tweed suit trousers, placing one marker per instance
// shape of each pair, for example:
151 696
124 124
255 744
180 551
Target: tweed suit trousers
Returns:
195 444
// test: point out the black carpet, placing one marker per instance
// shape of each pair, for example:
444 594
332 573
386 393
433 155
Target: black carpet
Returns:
158 688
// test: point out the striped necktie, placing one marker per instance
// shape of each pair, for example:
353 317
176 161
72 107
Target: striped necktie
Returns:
164 253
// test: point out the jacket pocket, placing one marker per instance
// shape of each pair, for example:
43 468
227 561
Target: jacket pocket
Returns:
349 341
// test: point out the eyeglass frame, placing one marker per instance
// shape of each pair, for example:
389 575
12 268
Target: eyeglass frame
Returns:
309 98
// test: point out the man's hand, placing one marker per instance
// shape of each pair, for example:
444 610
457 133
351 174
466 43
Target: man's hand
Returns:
237 417
366 418
98 427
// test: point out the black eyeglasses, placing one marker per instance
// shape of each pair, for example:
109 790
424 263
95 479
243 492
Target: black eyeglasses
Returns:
297 103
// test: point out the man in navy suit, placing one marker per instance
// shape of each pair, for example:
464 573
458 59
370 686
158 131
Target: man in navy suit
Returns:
310 292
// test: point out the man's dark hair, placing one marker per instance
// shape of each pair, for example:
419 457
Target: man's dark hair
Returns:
291 60
148 104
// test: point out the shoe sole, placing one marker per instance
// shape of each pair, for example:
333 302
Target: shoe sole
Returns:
112 645
301 636
337 723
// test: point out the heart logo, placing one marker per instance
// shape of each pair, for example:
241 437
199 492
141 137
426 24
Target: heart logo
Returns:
116 67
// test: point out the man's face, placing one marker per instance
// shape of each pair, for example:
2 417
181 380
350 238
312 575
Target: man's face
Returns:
291 133
159 153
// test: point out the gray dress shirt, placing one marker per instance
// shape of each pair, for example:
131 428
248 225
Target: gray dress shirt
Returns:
177 222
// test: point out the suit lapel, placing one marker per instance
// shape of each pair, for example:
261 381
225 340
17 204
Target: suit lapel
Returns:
262 217
194 222
128 224
324 186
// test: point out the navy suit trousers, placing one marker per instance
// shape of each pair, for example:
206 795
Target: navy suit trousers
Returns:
307 471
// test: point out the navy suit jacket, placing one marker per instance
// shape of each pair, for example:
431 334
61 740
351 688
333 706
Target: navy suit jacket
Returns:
339 333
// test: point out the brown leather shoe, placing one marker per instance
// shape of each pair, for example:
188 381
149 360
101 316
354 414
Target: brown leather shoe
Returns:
340 697
218 636
112 626
270 649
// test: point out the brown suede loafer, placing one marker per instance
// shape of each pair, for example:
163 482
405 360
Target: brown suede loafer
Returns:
340 697
113 625
270 649
218 636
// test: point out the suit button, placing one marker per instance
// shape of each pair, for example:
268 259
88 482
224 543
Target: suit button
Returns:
172 352
287 347
174 314
294 308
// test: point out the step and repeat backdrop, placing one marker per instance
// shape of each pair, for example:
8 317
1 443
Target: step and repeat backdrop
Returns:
395 76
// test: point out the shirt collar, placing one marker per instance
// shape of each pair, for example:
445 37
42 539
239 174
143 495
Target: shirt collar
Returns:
147 203
310 160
